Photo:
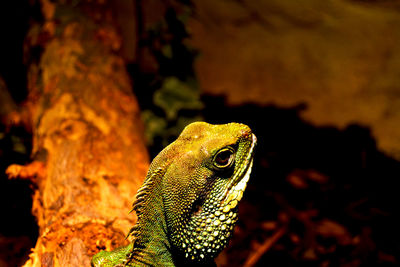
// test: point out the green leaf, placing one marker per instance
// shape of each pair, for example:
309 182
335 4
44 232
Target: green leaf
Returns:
18 145
155 126
167 51
175 95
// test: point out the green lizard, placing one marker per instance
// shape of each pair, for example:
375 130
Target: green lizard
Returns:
187 205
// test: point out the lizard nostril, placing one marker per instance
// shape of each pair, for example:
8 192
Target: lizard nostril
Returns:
245 133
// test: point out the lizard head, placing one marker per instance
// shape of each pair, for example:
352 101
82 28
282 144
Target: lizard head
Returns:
207 170
187 206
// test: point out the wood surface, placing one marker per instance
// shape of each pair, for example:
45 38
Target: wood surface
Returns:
88 156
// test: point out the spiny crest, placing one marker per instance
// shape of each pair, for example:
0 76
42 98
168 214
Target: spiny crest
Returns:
141 196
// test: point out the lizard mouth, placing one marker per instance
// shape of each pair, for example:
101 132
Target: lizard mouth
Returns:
236 188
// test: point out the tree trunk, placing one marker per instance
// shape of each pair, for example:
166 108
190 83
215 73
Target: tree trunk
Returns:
88 152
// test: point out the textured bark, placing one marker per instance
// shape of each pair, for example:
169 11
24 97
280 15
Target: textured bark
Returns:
88 151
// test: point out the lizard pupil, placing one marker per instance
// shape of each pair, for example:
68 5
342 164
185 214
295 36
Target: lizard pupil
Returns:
224 158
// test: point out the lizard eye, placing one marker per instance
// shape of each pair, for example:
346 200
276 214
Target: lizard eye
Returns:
224 158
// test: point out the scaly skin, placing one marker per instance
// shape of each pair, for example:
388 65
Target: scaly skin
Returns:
187 206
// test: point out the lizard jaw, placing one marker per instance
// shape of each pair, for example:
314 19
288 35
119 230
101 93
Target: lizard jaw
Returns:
236 189
235 194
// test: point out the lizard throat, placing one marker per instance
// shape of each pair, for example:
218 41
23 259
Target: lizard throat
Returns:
211 227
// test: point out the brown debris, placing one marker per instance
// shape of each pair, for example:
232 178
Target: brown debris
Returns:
328 228
264 247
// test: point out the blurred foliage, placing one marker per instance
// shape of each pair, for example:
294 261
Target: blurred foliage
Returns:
169 95
172 98
175 95
15 141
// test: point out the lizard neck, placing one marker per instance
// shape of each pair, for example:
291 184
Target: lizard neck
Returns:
151 245
154 253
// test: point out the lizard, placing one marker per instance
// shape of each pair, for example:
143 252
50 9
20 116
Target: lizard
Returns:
188 204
